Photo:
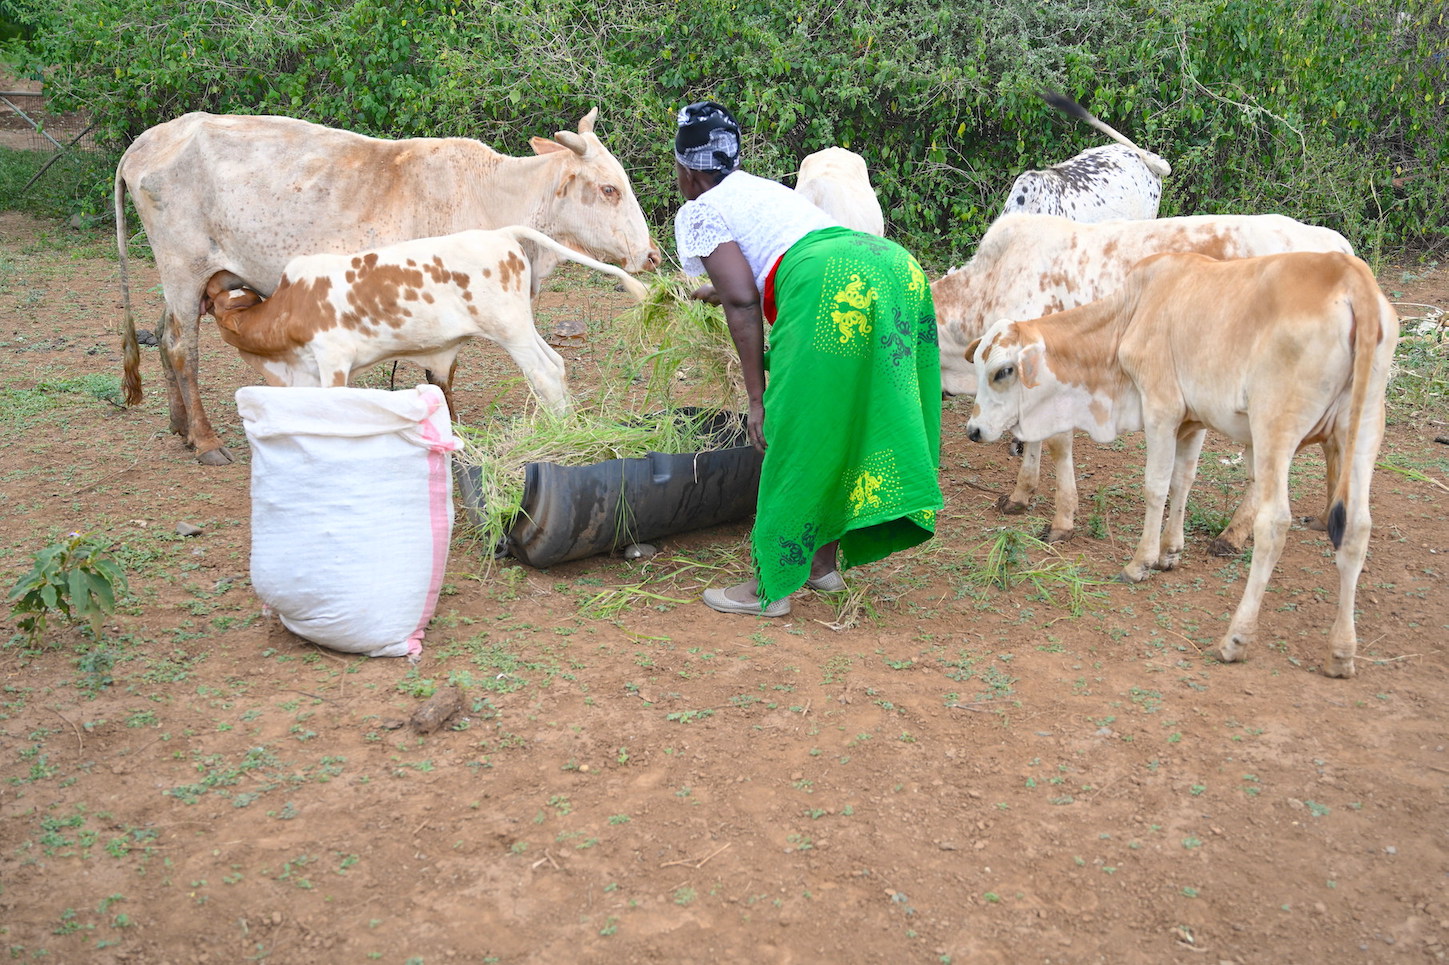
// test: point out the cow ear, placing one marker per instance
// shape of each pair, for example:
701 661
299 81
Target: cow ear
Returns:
971 349
542 145
586 123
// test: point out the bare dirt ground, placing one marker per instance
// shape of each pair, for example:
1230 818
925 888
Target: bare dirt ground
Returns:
969 774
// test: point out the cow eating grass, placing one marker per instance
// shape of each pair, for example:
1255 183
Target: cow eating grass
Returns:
418 300
1276 352
1030 265
246 194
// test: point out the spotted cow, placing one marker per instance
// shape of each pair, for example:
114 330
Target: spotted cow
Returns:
331 315
1101 184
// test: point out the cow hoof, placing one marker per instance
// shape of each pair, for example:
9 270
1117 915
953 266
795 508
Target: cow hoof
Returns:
1338 667
1230 650
220 456
1167 561
1052 535
1222 547
1314 523
1129 575
1010 507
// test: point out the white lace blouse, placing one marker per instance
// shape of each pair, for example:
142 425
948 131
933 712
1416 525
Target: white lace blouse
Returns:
762 216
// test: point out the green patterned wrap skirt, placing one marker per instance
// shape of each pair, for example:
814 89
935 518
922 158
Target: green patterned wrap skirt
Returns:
852 408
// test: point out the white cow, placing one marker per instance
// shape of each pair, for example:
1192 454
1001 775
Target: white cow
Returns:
1100 184
1030 265
418 300
836 181
1276 352
246 194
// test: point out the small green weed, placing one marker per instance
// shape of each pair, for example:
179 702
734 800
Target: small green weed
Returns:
75 580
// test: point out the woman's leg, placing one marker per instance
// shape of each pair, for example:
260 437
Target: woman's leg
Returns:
824 561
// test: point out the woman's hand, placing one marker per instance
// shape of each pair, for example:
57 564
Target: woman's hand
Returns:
705 293
755 426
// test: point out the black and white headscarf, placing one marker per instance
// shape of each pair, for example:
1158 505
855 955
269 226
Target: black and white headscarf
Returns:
708 138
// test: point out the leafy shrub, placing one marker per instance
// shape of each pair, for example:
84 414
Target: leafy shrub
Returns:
75 580
1329 112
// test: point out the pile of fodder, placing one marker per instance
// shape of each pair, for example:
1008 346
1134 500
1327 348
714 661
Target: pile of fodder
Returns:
680 348
595 431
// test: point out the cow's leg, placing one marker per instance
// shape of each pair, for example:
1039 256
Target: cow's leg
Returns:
1064 514
1270 530
540 364
180 355
1234 537
1027 479
445 382
1332 458
1156 481
1352 551
166 325
1184 471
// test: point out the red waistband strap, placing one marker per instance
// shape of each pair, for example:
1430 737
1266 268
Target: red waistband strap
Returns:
769 293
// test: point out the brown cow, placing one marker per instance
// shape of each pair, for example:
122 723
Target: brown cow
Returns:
246 194
1276 352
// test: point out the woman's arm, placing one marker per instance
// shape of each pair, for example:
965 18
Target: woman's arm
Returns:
734 286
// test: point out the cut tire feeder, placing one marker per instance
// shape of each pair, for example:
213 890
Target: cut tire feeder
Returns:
572 512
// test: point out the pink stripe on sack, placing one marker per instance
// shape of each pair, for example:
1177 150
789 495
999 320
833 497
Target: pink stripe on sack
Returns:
438 495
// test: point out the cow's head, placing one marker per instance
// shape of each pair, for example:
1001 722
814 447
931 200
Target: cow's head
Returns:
227 296
593 208
1016 391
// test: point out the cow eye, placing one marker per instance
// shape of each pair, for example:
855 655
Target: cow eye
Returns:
1003 373
609 190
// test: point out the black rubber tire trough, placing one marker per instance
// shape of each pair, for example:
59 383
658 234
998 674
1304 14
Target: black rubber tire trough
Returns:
572 512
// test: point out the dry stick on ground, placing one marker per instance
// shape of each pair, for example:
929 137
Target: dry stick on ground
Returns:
691 861
82 747
110 475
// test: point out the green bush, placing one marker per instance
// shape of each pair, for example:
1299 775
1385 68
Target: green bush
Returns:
1329 112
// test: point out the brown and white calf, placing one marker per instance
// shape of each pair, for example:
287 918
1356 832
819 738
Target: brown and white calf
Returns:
418 300
1031 265
1276 352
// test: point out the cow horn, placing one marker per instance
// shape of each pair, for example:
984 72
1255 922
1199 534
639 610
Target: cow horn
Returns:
574 142
586 123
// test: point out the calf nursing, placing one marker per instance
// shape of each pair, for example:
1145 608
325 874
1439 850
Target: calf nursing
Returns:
419 300
1276 352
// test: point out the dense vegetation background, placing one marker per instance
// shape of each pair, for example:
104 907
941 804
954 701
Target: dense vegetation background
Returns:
1331 112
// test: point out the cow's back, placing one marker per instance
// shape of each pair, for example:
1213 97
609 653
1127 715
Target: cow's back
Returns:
256 190
1029 265
837 181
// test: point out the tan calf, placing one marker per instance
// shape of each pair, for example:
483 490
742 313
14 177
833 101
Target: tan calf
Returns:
1276 352
419 300
1030 264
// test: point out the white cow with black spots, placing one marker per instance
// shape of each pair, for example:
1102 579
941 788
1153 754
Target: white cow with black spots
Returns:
1117 181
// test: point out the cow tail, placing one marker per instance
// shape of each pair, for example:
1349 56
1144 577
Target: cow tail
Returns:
632 285
130 349
1365 333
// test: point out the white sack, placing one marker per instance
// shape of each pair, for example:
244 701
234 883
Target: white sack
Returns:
352 511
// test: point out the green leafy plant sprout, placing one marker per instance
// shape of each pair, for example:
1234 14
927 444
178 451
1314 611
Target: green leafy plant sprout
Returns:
75 580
